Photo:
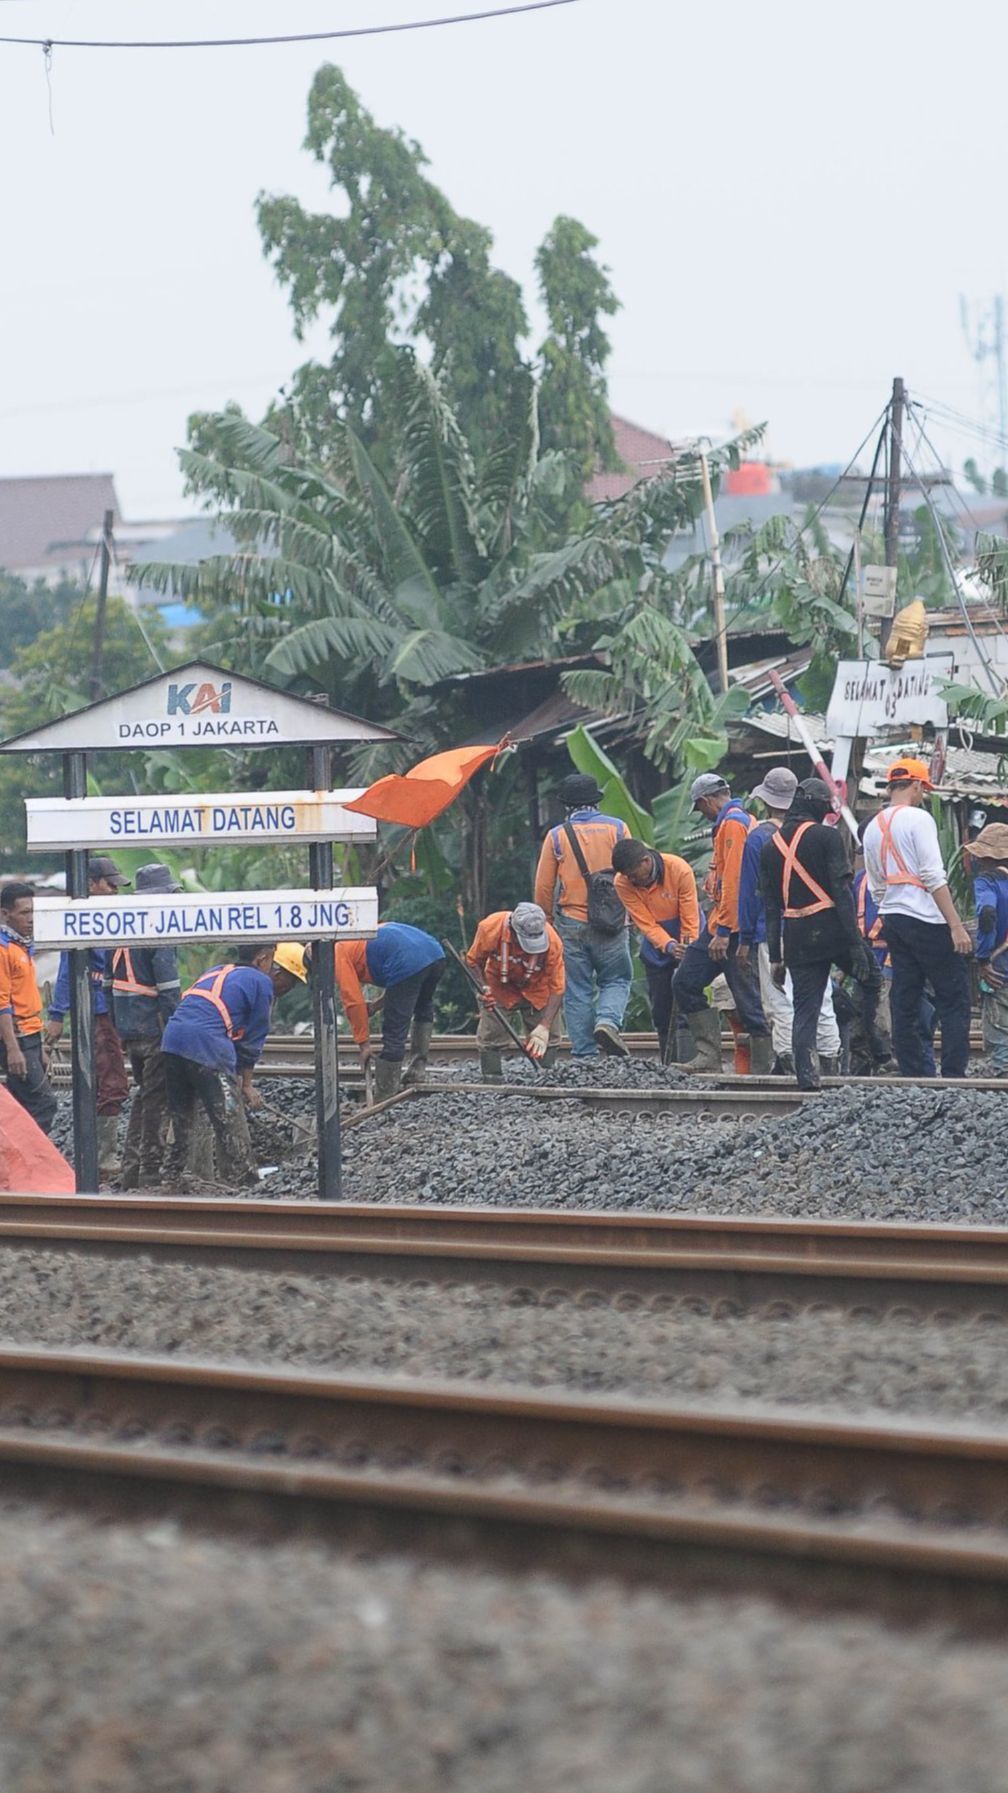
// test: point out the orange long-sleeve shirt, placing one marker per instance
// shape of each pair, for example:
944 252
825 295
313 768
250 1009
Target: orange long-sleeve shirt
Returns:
673 898
351 975
731 831
511 975
19 991
558 880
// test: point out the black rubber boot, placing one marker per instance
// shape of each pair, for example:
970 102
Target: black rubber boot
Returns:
783 1065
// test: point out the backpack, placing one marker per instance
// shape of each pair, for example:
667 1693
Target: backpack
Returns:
606 914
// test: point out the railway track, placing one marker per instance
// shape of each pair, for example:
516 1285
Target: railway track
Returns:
292 1055
726 1264
918 1505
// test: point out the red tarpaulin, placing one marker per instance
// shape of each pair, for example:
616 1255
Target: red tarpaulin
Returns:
29 1162
418 796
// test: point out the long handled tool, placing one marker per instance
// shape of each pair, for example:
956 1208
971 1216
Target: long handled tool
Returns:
496 1011
288 1120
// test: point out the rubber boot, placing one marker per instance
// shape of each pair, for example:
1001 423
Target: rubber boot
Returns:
387 1078
491 1066
705 1027
760 1054
829 1067
108 1145
783 1065
416 1070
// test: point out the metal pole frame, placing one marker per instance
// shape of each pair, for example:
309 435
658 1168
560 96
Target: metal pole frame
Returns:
82 1054
327 1087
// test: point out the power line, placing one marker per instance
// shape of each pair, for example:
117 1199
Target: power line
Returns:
996 683
288 37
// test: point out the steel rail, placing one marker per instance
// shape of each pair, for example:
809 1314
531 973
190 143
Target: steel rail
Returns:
865 1266
919 1500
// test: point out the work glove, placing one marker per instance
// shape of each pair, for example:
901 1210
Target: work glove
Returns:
538 1041
487 999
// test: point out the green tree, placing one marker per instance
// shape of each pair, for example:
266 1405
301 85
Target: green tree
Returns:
50 678
379 590
26 610
573 398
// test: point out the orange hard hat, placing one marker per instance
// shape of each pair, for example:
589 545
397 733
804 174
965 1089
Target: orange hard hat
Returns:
902 771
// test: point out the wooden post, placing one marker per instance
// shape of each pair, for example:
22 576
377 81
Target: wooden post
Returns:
717 576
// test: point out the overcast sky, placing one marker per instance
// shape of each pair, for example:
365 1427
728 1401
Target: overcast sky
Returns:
790 197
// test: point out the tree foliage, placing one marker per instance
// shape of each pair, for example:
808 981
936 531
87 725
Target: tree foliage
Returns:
573 398
26 611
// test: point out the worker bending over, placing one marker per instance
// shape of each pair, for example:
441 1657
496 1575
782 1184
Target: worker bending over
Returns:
104 879
143 986
716 950
659 893
22 1046
210 1047
407 964
805 877
777 794
927 941
520 959
574 885
989 854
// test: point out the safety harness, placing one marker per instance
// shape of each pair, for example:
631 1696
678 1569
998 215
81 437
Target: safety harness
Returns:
889 850
214 995
124 978
789 849
874 933
515 967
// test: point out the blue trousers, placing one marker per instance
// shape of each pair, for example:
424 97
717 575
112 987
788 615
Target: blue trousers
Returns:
922 952
697 969
592 959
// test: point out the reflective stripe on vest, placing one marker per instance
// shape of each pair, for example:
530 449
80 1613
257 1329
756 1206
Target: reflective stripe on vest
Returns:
214 995
125 984
888 846
526 965
874 933
788 849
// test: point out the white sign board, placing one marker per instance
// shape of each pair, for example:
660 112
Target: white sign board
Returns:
234 915
879 591
151 823
870 697
197 705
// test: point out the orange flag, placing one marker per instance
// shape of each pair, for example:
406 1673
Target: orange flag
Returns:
418 796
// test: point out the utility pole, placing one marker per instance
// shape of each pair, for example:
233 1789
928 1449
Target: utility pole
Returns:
893 490
98 657
717 575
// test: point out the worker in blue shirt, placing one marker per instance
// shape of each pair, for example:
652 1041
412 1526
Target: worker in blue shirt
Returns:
143 983
988 854
210 1047
407 964
104 879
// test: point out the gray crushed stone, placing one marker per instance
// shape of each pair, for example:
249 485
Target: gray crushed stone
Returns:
670 1349
879 1152
140 1655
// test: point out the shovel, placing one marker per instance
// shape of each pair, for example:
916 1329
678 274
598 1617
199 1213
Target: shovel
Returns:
495 1010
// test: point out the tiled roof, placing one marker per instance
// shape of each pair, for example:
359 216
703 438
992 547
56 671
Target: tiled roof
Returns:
53 521
641 452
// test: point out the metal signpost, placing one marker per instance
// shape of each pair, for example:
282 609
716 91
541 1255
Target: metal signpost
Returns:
200 705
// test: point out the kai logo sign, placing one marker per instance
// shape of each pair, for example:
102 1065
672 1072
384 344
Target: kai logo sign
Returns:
192 699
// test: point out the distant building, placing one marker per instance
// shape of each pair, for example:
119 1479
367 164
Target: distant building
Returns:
50 527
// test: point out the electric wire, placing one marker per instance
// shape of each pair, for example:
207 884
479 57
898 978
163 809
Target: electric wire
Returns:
752 604
287 37
996 684
926 440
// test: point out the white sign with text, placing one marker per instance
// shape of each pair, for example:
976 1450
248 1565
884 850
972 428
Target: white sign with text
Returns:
870 696
236 915
269 817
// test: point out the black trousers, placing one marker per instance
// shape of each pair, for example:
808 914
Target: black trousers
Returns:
405 1002
220 1097
34 1091
922 952
809 985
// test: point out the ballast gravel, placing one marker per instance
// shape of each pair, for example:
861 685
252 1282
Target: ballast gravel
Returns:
875 1152
670 1348
141 1655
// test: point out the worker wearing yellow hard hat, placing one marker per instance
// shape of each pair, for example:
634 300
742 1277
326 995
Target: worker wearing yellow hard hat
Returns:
289 966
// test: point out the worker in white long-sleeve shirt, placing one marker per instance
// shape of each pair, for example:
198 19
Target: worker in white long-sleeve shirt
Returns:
926 939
